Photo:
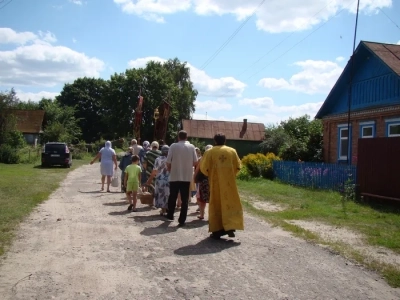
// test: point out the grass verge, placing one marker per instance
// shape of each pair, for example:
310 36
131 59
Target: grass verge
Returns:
379 224
22 187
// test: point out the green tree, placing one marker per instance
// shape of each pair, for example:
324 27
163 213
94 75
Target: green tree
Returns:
294 139
8 100
85 95
60 124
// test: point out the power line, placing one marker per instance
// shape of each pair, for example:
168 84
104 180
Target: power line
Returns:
277 45
6 4
212 57
389 18
299 42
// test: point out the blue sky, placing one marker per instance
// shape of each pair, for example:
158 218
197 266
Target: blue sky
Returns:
281 64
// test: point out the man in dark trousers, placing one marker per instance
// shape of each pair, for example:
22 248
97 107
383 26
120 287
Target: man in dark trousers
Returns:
181 159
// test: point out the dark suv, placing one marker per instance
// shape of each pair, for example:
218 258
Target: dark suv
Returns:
56 154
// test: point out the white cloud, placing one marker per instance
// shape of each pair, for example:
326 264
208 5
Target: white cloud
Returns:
77 2
316 77
205 84
273 16
74 40
9 36
276 113
152 10
340 58
210 105
37 62
398 43
47 37
35 96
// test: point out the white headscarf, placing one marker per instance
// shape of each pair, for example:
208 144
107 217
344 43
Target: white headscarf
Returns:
108 145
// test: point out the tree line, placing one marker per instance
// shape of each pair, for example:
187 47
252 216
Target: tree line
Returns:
91 109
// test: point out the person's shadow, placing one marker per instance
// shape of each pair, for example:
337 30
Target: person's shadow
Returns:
163 228
115 203
206 246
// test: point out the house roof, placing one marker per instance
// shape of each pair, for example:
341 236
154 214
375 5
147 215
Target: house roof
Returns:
388 54
29 121
232 130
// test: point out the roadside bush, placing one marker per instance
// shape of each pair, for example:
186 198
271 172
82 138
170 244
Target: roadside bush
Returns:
243 174
260 165
79 151
8 154
29 155
15 139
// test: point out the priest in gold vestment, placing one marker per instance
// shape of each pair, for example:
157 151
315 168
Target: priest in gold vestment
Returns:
221 164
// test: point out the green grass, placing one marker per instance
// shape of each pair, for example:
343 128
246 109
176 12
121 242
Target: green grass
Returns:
22 187
379 224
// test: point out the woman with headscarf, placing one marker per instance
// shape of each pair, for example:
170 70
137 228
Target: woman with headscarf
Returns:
161 174
108 158
203 191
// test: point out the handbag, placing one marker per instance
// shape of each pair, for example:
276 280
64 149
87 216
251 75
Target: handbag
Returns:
115 180
199 177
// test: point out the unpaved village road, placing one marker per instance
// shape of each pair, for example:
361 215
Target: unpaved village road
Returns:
81 244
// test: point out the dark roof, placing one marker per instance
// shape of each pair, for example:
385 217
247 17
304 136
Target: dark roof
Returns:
29 121
232 130
389 54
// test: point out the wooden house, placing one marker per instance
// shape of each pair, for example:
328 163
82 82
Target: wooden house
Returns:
29 122
374 106
245 137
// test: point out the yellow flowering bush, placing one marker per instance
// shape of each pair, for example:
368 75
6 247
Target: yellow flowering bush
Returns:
260 165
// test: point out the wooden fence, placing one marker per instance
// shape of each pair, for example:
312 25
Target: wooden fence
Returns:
315 175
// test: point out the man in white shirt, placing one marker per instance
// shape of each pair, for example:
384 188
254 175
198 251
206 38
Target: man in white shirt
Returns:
136 148
181 159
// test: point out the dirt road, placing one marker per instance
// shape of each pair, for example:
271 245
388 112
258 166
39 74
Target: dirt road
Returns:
82 244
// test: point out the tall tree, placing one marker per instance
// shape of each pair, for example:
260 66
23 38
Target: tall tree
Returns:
85 95
60 124
8 101
294 139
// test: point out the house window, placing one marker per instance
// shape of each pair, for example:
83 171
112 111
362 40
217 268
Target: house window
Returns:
393 127
343 149
367 129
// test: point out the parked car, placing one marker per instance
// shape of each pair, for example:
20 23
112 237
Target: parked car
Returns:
56 154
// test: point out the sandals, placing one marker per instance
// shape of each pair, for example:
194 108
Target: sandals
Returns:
200 218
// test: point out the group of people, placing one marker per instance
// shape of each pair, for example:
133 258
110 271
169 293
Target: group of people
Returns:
169 171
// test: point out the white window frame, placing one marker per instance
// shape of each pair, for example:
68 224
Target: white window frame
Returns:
392 122
369 124
348 138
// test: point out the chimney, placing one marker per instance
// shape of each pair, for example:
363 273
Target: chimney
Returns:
244 128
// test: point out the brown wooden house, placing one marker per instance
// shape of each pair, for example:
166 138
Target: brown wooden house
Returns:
245 137
29 122
374 102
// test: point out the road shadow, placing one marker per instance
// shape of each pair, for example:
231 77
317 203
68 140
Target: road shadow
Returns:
206 246
120 213
115 203
163 228
142 219
91 192
49 167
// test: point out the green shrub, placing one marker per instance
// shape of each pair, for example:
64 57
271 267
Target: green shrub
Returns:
8 154
15 139
260 165
29 155
243 174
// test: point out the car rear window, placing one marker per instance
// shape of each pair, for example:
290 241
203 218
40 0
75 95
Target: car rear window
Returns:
59 148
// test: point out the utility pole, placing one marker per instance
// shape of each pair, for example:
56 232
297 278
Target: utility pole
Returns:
349 133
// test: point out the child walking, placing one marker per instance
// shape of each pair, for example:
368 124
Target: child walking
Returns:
132 182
